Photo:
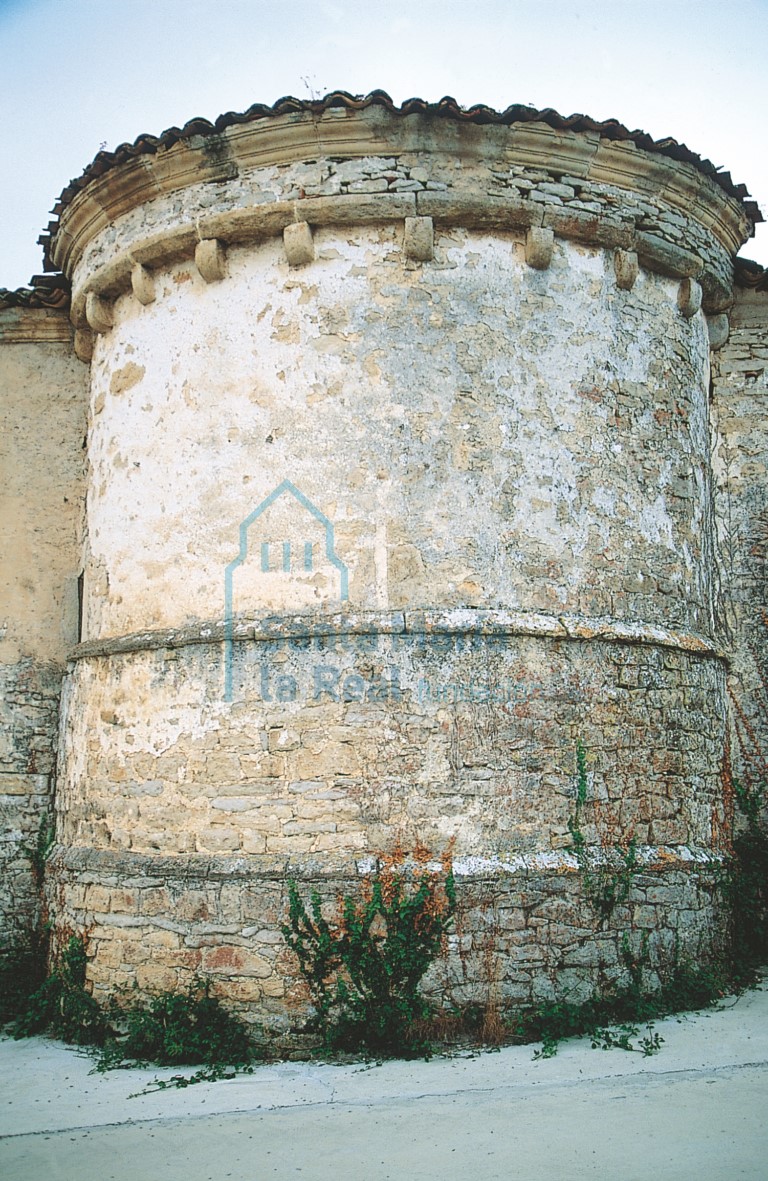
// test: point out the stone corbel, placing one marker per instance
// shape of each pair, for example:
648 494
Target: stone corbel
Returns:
626 267
539 244
299 244
211 259
419 239
98 312
83 345
142 284
689 298
718 328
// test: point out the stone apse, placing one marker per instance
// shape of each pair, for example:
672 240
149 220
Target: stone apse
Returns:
402 477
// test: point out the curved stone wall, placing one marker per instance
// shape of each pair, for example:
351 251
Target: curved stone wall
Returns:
399 486
480 433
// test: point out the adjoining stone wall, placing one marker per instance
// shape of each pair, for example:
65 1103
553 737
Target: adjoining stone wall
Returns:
740 443
42 428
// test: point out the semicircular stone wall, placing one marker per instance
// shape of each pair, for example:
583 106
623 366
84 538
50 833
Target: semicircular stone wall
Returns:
399 488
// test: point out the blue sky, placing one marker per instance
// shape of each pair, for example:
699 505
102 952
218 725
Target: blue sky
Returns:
81 74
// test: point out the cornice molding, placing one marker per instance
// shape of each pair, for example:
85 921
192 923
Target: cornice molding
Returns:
341 133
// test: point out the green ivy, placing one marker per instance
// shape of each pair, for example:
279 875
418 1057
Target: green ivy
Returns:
606 884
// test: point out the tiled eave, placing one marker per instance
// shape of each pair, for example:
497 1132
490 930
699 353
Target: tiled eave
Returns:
202 130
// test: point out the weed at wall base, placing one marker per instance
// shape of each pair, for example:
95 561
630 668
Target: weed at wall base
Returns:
62 1006
363 967
189 1028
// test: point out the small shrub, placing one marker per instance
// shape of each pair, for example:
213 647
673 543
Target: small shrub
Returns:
61 1005
189 1028
363 969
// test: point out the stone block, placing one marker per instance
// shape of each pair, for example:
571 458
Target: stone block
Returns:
360 208
339 842
123 901
156 979
335 759
539 244
689 298
83 345
625 265
717 291
142 284
254 842
211 259
718 327
583 226
368 185
478 211
419 239
234 804
281 739
109 954
194 905
666 258
545 198
246 991
235 961
273 987
299 244
98 313
558 190
98 899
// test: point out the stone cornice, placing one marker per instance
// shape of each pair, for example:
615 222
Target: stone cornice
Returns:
418 626
146 870
228 158
340 104
25 325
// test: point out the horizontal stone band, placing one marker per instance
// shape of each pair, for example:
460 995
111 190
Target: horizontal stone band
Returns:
144 870
403 623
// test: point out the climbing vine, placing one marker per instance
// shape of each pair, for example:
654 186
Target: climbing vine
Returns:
606 875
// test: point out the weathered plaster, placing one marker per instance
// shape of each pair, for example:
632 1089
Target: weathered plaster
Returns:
533 441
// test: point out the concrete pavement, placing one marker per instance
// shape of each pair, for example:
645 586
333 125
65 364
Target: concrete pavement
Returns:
695 1110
